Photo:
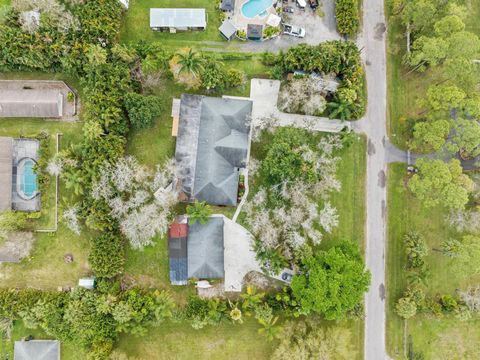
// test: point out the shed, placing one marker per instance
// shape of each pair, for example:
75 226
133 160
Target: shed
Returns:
205 249
6 176
254 32
227 5
87 283
228 30
37 350
178 19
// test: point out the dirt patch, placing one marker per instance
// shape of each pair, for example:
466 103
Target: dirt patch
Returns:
16 246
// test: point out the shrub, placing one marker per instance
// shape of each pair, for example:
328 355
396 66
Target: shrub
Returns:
416 249
234 78
406 308
142 110
347 16
107 255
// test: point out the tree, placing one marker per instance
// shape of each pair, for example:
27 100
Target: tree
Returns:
440 183
107 255
416 249
190 62
309 339
441 99
142 110
199 211
340 108
428 51
332 282
430 135
406 308
96 55
213 76
466 256
466 138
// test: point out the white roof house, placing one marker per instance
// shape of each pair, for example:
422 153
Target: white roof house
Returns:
180 19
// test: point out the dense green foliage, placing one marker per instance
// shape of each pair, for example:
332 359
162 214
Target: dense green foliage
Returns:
440 183
107 255
199 211
333 281
285 160
341 58
89 318
142 110
347 16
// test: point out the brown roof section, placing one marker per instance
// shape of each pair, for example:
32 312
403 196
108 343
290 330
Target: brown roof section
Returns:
6 153
178 230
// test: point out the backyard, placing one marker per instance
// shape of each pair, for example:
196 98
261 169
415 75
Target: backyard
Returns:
136 23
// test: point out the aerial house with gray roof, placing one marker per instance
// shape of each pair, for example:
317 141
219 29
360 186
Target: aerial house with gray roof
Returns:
212 148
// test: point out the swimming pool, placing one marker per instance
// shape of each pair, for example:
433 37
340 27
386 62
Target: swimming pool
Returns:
26 179
254 8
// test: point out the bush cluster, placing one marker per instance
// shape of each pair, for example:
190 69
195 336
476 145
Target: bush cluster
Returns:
347 16
341 58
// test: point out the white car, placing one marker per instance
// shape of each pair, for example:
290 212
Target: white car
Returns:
294 31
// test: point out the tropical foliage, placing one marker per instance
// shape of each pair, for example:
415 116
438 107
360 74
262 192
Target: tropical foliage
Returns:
347 16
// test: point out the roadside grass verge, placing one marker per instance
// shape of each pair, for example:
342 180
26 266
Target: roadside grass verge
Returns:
406 213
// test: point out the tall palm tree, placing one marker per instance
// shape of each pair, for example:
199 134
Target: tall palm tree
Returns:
190 62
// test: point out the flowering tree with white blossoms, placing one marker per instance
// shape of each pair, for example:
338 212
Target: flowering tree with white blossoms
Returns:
140 200
289 217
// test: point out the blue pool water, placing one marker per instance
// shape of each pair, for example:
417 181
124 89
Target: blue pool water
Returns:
28 179
254 8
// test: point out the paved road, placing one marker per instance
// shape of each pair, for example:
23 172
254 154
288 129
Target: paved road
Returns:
372 41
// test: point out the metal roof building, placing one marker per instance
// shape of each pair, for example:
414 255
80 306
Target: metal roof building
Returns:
254 31
37 350
228 30
179 19
177 253
212 146
227 5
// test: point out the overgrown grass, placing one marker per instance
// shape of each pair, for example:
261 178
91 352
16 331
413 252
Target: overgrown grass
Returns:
406 213
136 22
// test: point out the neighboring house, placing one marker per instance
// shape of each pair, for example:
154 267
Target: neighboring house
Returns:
174 20
212 147
219 249
227 5
18 180
254 32
228 30
37 350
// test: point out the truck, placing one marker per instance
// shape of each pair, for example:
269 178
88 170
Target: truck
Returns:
293 30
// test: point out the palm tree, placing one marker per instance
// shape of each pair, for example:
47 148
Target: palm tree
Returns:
199 211
190 62
340 108
269 329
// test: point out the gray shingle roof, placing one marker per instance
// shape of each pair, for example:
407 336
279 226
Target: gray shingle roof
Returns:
227 29
227 5
37 350
212 145
205 249
178 18
6 163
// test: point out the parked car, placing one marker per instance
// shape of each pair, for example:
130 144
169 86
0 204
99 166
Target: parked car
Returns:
288 9
313 4
294 31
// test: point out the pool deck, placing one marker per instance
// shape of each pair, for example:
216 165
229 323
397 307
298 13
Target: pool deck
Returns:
241 22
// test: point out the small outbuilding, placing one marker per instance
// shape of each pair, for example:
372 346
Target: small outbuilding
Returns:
177 253
37 350
228 30
174 20
254 32
227 5
87 283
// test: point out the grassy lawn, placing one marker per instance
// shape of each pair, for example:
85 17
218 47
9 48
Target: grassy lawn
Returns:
406 213
136 23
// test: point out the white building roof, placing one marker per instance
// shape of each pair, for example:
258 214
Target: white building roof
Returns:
178 18
274 20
